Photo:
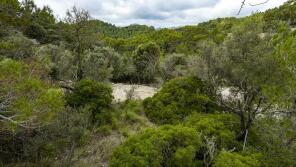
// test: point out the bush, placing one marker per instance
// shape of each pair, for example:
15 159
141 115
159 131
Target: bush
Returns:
165 146
57 61
16 47
97 97
102 64
228 159
221 126
174 65
146 61
35 31
178 99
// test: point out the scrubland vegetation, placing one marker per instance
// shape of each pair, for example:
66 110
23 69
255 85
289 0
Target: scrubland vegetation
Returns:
57 108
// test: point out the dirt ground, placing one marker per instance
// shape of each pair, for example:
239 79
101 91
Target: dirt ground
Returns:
123 91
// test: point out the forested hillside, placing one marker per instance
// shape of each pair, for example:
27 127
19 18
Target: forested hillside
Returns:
226 91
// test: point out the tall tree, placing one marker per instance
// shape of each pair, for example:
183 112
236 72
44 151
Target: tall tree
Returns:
246 64
79 21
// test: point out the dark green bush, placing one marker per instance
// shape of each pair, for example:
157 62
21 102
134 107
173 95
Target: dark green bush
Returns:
97 97
178 99
165 146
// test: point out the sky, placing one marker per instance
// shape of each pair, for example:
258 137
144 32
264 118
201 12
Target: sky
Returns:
159 13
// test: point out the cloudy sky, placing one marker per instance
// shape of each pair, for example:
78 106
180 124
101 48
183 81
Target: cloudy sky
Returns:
158 13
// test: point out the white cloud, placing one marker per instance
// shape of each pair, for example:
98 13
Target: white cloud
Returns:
159 13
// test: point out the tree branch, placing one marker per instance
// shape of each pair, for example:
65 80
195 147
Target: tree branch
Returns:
242 6
244 3
261 3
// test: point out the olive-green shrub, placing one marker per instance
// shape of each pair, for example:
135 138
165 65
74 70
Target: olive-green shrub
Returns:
178 99
165 146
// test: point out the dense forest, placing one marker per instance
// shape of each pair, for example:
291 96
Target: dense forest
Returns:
57 107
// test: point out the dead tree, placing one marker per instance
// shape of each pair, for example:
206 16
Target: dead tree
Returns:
244 3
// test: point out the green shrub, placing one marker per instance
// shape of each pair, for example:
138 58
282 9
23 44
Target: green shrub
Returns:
17 47
178 99
146 61
97 97
173 65
165 146
57 61
102 64
222 126
228 159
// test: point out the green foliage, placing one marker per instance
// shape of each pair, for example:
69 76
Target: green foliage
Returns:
174 65
28 105
110 30
16 47
29 96
68 130
97 97
58 62
222 126
179 98
254 56
146 61
285 12
231 159
164 146
102 64
272 136
9 12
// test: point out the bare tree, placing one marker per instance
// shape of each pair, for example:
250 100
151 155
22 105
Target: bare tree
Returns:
210 152
244 3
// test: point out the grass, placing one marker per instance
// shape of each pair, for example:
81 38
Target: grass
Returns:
127 120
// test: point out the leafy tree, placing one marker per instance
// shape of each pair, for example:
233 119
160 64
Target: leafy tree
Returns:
79 29
167 39
164 146
179 98
97 97
146 61
248 66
